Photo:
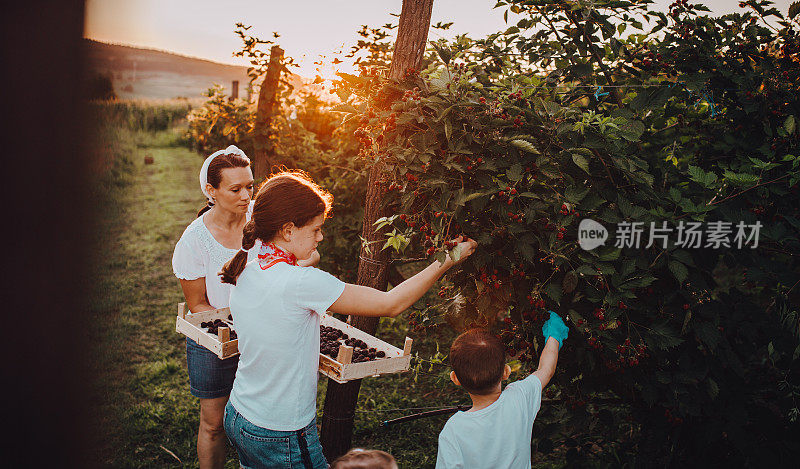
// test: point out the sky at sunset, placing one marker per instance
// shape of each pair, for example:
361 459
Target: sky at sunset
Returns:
308 28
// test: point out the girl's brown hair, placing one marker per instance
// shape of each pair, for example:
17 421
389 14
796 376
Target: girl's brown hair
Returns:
228 160
289 196
365 459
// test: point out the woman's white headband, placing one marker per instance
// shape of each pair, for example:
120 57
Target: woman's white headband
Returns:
204 170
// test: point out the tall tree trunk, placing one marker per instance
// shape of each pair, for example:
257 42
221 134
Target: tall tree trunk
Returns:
341 399
267 106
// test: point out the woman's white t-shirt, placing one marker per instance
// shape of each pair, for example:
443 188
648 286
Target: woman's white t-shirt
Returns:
198 254
276 312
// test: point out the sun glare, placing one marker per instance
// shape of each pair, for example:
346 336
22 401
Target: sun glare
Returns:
322 68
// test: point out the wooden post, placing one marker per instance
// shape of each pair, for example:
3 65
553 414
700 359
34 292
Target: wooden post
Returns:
267 105
340 399
235 90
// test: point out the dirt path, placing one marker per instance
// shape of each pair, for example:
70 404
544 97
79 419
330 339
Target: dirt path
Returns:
143 384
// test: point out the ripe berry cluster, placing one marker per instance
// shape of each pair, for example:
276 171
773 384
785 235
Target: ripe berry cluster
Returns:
494 279
515 340
331 338
213 326
412 95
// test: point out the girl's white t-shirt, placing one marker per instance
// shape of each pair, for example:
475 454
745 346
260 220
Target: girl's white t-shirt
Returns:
198 254
277 315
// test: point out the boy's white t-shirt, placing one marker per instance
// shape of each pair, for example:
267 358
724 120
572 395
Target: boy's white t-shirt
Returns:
198 254
497 436
276 313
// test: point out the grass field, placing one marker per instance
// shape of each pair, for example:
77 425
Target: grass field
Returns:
145 409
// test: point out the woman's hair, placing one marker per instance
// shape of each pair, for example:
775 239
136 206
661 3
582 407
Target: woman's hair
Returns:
289 196
365 459
228 160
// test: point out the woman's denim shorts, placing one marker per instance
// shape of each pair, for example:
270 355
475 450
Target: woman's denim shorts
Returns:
259 447
209 377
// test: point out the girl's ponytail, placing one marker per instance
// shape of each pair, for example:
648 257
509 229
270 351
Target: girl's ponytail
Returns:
231 271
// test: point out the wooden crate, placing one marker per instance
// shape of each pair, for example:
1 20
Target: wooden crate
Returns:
189 325
343 370
340 370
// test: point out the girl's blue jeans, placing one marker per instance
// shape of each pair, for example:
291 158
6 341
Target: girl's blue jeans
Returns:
260 447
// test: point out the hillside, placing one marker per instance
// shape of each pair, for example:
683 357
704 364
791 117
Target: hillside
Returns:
153 74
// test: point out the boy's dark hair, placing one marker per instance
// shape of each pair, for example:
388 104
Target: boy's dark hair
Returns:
478 358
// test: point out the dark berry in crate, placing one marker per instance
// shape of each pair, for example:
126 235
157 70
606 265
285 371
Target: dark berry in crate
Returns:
230 318
380 354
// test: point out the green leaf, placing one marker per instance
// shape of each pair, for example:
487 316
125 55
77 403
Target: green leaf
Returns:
525 146
570 282
662 337
740 179
526 250
444 52
581 162
455 253
462 199
708 333
706 179
551 108
713 388
794 9
762 165
789 125
515 172
575 195
586 270
344 107
686 320
553 290
610 255
631 130
678 270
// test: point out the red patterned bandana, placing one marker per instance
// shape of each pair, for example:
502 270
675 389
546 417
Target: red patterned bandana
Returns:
270 255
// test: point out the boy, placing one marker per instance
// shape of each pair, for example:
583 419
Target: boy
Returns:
358 458
496 431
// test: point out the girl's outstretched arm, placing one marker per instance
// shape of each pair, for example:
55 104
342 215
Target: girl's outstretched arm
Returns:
359 300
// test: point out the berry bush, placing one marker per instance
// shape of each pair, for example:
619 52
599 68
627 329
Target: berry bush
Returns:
512 141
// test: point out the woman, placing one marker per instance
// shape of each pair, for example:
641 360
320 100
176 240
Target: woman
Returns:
270 418
206 244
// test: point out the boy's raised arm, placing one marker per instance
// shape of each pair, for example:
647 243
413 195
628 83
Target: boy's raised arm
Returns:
554 331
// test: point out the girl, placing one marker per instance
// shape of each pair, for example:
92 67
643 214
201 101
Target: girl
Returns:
207 243
270 417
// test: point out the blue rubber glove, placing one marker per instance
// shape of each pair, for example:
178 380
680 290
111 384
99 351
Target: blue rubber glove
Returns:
555 328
